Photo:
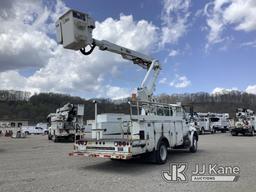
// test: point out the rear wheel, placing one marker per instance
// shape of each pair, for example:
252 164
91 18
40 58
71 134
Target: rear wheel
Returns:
49 136
161 153
55 138
193 148
202 131
252 133
71 138
234 133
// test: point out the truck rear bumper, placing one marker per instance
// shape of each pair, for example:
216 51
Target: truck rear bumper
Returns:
124 156
241 130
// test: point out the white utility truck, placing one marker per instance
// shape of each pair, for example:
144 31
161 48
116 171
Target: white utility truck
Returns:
204 123
150 128
66 122
212 122
245 122
220 122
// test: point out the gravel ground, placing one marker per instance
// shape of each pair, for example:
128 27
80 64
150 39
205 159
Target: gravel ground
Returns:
36 164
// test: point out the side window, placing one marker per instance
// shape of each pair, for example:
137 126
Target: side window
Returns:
13 124
160 111
166 111
171 112
19 124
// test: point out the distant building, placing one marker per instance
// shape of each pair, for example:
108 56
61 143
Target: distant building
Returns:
8 124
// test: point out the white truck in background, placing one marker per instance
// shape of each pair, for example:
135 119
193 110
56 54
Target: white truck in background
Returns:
204 123
245 122
66 122
212 122
38 129
220 122
151 127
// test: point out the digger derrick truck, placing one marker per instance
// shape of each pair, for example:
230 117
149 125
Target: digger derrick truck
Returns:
66 123
151 127
245 123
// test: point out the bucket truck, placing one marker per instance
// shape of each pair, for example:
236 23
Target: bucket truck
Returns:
245 122
66 122
151 128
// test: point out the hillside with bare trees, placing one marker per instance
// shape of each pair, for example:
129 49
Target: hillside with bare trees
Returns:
40 105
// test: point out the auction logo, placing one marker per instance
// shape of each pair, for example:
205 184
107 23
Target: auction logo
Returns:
176 173
201 173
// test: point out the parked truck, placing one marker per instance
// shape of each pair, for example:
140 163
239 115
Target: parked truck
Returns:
151 127
220 122
66 122
245 122
213 122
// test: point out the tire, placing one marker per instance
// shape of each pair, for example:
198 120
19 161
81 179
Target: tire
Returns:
161 153
202 131
27 133
234 133
252 133
55 138
71 138
194 146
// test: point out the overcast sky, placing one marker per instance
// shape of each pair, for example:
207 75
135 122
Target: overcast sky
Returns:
205 46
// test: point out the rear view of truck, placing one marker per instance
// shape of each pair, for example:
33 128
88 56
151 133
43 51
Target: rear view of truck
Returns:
122 136
66 122
245 123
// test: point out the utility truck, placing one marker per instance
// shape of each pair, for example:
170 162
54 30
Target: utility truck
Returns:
66 122
245 122
212 122
151 127
204 123
220 122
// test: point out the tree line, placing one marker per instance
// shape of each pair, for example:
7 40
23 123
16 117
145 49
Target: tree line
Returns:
40 105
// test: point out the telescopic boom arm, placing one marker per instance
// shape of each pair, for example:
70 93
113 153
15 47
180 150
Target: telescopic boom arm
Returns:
74 31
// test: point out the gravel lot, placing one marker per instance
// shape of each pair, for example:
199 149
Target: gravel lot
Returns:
36 164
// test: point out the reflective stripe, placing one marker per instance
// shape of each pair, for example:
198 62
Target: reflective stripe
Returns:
77 154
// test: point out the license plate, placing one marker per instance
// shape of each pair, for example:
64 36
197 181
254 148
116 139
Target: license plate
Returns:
120 149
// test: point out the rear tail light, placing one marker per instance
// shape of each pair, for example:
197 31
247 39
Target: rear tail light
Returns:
120 143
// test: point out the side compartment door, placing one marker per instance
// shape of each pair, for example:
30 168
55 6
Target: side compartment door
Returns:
150 136
179 132
172 134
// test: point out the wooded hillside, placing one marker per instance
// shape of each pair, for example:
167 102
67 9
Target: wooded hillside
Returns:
39 106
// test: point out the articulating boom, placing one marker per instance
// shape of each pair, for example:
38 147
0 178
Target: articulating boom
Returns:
74 31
